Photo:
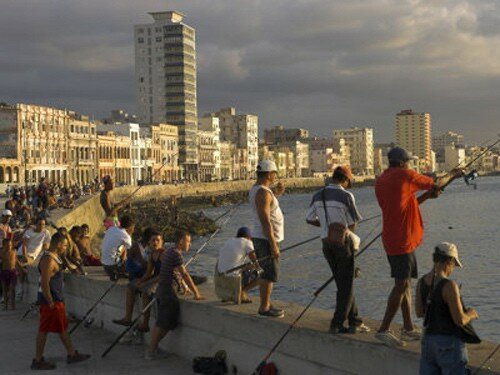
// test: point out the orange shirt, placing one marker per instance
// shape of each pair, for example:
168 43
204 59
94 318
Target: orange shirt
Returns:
403 228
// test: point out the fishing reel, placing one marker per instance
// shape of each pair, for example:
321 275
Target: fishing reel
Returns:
470 177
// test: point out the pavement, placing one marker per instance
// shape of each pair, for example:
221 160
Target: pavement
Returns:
17 346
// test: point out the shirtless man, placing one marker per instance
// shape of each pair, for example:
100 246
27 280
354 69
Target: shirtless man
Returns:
108 205
85 247
9 272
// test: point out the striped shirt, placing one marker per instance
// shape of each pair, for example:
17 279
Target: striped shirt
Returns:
170 260
340 208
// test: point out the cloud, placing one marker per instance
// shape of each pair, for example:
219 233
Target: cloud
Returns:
313 63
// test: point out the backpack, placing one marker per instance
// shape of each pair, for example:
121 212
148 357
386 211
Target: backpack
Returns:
215 365
267 369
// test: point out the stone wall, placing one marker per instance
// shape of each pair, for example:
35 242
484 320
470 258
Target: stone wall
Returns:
208 326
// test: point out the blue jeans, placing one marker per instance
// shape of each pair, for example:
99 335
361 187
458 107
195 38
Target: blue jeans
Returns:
443 355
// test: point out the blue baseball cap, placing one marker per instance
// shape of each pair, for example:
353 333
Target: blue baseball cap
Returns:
399 154
244 232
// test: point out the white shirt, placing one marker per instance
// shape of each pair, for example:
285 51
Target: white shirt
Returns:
116 240
35 242
234 253
277 219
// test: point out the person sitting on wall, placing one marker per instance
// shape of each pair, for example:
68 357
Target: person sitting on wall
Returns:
84 245
235 252
116 242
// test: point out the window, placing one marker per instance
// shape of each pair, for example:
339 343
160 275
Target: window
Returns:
158 38
140 40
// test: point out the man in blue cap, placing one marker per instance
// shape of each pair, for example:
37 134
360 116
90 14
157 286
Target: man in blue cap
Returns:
236 252
402 233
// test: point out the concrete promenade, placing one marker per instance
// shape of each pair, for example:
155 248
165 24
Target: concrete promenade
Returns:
17 347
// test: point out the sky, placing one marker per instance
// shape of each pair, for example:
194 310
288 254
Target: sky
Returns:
315 64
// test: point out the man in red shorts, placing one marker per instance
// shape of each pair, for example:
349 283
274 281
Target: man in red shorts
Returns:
402 233
51 301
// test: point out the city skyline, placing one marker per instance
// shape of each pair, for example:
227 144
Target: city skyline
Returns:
314 66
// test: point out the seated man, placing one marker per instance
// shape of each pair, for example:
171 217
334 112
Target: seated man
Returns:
116 242
85 247
235 252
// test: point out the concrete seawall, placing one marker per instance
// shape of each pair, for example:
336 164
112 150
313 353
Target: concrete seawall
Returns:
208 326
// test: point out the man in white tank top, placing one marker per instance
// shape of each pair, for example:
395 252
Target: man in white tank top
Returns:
268 232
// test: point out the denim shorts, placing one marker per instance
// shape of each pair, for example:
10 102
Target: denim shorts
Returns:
443 355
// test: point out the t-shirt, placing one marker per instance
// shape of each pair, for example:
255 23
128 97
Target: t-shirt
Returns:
234 253
170 259
403 228
340 208
36 240
111 248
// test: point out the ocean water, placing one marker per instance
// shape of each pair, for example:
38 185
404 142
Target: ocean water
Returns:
467 217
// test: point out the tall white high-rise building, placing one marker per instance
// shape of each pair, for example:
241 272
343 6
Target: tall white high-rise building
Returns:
165 73
360 143
413 133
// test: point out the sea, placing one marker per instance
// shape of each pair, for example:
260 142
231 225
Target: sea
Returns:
464 215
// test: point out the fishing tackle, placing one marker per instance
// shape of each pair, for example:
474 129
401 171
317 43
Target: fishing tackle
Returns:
471 176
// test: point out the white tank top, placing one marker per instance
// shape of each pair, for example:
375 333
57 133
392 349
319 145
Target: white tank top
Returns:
277 219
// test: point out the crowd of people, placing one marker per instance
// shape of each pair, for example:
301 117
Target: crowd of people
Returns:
156 271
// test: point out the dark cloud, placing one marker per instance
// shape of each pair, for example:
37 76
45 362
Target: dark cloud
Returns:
318 64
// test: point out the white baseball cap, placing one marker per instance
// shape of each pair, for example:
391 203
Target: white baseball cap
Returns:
6 213
267 166
449 249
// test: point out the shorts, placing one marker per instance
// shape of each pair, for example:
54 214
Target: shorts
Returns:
167 317
271 266
8 277
249 276
404 266
149 287
53 320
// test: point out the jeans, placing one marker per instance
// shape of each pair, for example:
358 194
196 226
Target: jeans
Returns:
443 355
341 262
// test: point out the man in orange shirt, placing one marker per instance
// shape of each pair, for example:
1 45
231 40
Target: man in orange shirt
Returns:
402 233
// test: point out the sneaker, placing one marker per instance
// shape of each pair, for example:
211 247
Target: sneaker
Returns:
77 357
42 365
388 338
362 328
414 335
338 330
272 313
156 354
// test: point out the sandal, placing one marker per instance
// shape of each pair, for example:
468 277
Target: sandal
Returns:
122 322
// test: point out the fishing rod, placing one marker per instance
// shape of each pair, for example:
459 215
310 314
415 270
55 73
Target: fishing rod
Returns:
195 255
30 309
488 358
134 322
292 325
423 197
89 311
148 306
165 162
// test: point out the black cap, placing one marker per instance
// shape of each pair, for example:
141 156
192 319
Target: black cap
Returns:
399 154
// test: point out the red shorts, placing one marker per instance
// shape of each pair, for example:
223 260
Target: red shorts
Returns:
53 320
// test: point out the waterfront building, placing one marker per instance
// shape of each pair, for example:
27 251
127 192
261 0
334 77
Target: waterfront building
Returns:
242 130
209 149
227 150
300 154
447 139
279 134
165 74
119 116
283 157
320 160
82 149
106 154
360 143
131 131
36 137
413 133
453 156
165 152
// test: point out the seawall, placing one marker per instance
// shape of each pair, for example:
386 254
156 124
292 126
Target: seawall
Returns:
209 325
